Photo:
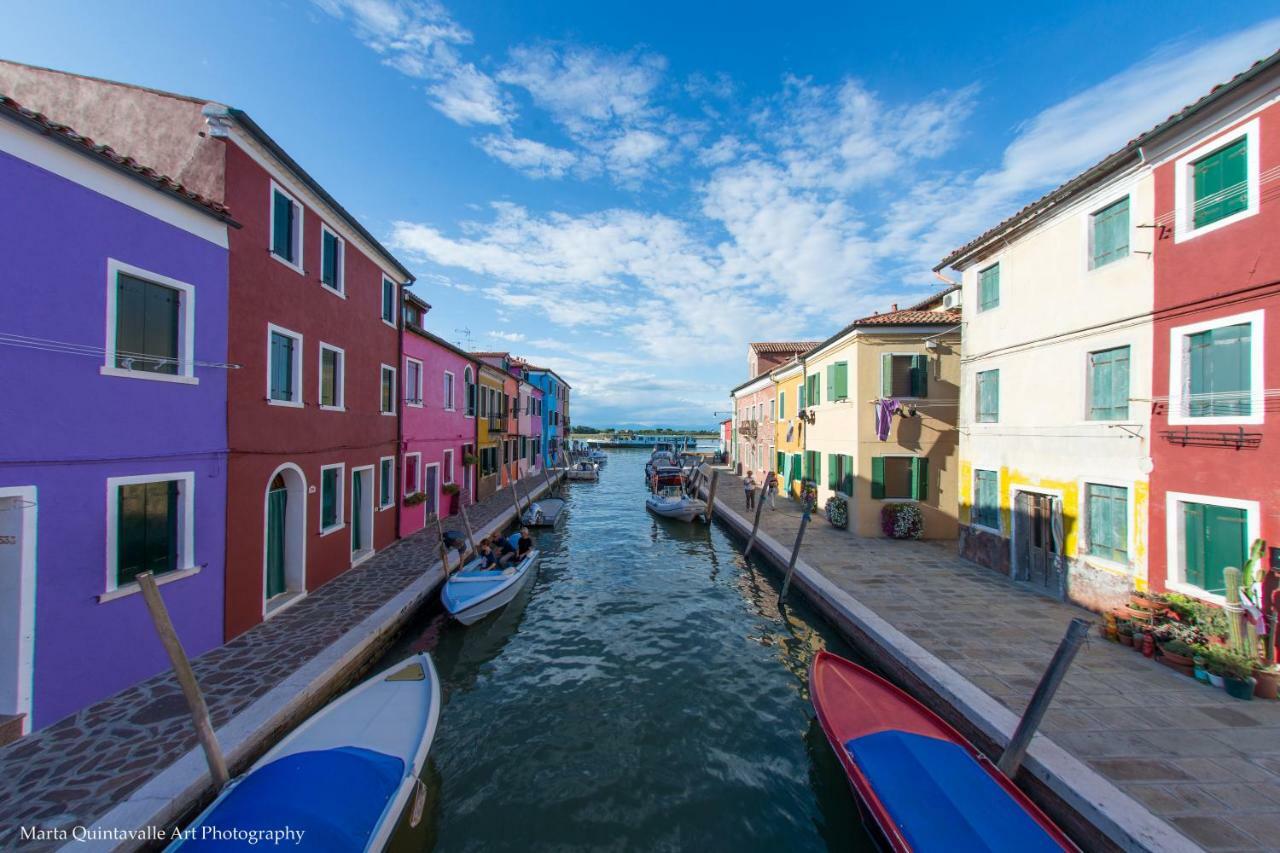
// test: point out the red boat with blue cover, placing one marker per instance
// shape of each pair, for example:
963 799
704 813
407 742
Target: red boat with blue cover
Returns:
921 783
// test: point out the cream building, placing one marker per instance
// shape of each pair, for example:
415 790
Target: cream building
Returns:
1056 388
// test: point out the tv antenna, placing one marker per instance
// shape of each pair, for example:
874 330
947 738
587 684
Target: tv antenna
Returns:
465 331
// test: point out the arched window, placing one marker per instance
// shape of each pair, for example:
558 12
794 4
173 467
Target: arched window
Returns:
468 380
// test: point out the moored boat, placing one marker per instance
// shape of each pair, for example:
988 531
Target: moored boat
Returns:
919 781
584 471
546 512
598 456
667 496
346 778
473 593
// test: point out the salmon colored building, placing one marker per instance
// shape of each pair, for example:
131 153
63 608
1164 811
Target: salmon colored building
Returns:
314 308
438 426
1215 443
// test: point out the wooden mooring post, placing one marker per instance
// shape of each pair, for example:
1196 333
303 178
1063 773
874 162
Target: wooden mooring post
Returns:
1011 758
466 525
795 555
711 494
755 526
186 679
444 549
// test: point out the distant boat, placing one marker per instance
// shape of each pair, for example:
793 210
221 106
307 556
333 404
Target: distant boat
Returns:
473 593
598 456
588 471
546 512
667 496
346 778
920 783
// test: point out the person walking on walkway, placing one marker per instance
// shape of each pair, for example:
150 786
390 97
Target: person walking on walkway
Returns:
749 486
770 489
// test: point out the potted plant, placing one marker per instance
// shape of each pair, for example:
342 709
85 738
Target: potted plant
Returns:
1124 628
1237 675
1176 654
902 521
1214 664
451 491
837 512
1267 681
1201 674
469 459
415 499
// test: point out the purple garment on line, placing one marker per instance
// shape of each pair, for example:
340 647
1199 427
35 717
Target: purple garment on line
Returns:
885 410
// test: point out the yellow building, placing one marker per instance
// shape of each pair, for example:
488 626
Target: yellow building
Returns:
911 357
490 429
788 439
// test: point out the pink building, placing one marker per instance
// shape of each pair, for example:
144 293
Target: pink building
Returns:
528 422
437 422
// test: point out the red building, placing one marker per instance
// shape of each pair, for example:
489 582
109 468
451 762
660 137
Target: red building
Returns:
1215 443
312 421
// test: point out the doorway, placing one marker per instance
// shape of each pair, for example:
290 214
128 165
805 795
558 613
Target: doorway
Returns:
361 514
284 541
431 488
17 607
1035 545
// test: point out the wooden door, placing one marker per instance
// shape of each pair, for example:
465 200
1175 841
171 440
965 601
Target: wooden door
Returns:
1035 549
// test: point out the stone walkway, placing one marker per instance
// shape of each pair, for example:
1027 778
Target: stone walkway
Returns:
1204 762
74 771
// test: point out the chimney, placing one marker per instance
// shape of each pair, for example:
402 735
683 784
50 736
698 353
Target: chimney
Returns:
895 306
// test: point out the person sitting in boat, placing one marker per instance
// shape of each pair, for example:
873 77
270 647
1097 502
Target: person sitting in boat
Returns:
488 555
524 545
506 554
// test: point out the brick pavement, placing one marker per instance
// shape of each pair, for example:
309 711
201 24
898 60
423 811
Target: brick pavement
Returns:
74 771
1204 762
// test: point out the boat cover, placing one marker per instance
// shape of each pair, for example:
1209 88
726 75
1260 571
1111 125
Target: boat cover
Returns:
336 796
941 798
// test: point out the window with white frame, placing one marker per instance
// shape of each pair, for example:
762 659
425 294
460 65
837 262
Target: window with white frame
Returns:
333 251
332 377
387 395
386 481
1106 517
1206 535
286 228
448 391
1216 371
448 466
331 485
388 301
1109 233
412 473
150 526
1217 183
413 382
151 325
284 366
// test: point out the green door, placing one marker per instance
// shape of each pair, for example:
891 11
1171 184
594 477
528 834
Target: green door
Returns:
1216 539
357 513
277 503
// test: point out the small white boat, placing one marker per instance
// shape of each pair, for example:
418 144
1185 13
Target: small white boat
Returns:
346 778
667 496
473 593
587 471
546 512
598 456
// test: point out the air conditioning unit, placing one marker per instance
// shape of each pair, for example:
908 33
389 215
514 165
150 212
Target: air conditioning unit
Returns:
951 300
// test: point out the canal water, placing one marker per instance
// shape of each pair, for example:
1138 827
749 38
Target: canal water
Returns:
645 693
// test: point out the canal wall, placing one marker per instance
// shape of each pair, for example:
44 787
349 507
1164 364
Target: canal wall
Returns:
181 790
1096 813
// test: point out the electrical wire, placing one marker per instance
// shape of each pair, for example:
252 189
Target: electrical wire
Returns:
12 339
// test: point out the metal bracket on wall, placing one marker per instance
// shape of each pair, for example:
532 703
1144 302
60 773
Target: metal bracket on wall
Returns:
1237 439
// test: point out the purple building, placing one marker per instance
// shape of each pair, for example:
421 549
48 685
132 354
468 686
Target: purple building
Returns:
113 343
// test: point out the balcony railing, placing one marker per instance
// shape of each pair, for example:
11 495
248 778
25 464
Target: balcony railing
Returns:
497 423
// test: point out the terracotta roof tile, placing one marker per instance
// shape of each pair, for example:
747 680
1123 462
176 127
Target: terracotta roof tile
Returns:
783 346
105 153
911 317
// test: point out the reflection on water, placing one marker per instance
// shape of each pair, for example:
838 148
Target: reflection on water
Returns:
645 692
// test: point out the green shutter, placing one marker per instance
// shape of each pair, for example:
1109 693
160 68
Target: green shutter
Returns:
782 405
800 403
796 471
832 469
817 467
841 385
1107 512
877 477
1219 377
282 233
1110 234
846 484
146 325
329 260
1221 183
886 375
282 356
919 376
989 288
986 500
832 396
989 396
1109 384
146 529
920 478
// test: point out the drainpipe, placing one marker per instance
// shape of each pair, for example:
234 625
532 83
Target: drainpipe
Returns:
396 489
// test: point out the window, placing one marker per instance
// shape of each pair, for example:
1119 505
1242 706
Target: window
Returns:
412 469
1109 385
448 391
904 375
152 333
839 472
387 403
1109 234
813 389
899 478
988 403
812 466
388 301
413 382
469 389
989 288
149 523
286 228
986 500
284 367
1220 183
386 481
1106 510
838 381
332 260
331 477
448 466
332 377
1214 537
782 405
1218 376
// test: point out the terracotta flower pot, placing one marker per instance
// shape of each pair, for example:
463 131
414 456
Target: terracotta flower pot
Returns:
1148 646
1268 683
1126 639
1181 663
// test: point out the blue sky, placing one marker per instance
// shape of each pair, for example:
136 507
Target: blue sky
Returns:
630 192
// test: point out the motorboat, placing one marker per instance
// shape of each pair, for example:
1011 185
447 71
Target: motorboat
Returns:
545 512
346 778
584 471
597 456
659 459
474 592
667 496
920 783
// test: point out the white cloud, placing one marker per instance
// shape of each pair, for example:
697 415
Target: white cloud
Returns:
529 156
510 337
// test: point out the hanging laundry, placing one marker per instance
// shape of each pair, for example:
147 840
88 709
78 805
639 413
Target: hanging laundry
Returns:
886 408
